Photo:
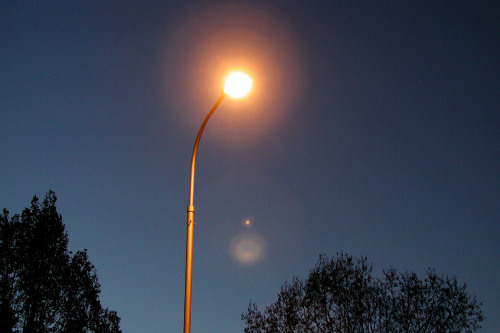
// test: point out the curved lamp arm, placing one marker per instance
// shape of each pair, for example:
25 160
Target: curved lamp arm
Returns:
195 148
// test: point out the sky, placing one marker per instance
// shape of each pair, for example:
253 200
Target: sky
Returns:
373 128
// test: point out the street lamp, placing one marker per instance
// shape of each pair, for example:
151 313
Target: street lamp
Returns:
237 85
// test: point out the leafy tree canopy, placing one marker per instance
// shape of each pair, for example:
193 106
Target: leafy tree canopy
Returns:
342 295
43 286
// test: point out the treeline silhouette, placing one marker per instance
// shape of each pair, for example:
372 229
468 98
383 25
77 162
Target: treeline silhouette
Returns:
43 286
342 295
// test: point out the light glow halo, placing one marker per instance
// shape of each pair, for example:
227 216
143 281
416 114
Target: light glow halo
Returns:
205 44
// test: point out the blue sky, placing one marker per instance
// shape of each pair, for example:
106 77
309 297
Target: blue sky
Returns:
373 129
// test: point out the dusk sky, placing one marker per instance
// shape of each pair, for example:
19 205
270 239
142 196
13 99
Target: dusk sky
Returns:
373 128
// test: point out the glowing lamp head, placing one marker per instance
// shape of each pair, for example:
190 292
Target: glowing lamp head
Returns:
238 84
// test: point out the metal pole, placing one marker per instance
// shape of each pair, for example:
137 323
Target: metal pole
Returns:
190 223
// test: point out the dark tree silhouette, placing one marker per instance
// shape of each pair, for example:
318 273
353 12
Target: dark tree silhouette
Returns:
43 286
342 295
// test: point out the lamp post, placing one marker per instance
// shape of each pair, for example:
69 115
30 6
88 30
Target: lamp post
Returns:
237 85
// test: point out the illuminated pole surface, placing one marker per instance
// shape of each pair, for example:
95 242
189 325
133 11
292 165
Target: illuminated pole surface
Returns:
190 223
237 85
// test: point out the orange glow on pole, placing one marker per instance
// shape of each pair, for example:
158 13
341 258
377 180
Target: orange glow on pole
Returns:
238 84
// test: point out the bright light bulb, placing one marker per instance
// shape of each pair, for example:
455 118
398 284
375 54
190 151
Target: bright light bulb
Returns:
238 84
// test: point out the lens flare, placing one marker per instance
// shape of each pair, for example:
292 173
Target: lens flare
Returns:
248 248
247 223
